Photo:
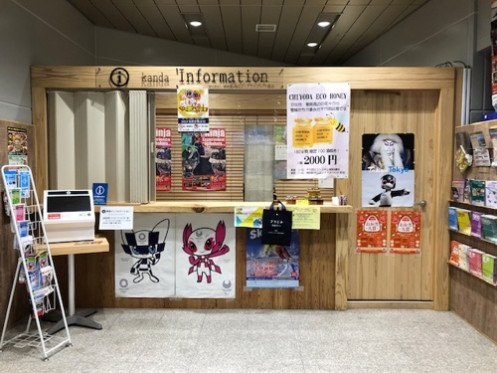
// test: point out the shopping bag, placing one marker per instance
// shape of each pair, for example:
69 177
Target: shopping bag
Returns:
276 225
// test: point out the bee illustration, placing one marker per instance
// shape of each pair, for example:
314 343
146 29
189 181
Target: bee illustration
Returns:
339 127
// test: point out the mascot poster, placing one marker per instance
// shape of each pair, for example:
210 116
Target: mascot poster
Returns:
144 258
272 266
388 170
205 256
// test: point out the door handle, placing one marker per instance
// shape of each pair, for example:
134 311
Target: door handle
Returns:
421 203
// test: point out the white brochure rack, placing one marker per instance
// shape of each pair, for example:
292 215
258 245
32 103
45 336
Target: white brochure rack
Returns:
35 267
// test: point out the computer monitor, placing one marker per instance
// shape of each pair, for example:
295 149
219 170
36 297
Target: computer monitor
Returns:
69 215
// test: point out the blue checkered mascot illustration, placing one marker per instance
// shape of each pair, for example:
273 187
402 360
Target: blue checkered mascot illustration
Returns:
144 245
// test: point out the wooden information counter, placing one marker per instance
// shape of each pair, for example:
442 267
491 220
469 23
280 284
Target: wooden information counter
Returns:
322 264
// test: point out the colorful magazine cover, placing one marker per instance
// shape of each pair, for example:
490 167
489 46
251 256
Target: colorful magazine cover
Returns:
477 196
17 146
272 266
474 257
454 253
491 193
492 132
488 270
405 232
466 197
464 221
463 256
371 231
489 228
481 156
457 190
476 224
453 225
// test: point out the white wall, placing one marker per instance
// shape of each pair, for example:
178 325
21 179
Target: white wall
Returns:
440 31
48 32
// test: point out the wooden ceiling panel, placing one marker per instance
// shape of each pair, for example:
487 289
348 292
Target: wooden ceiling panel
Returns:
345 22
213 24
175 21
135 17
270 16
350 40
188 6
91 12
149 10
307 20
114 15
383 22
251 15
285 30
230 24
409 9
334 9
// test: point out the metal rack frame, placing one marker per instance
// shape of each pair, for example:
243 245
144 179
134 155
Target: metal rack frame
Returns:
49 293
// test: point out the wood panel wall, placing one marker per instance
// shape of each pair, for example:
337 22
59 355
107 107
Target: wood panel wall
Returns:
95 278
8 256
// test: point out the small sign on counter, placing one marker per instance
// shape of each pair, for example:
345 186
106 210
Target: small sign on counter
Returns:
116 218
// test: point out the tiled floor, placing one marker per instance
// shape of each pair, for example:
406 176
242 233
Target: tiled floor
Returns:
145 340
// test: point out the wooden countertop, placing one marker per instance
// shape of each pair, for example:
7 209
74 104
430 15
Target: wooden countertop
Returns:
218 206
99 245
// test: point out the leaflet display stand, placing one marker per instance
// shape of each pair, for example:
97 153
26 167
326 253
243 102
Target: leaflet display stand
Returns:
35 265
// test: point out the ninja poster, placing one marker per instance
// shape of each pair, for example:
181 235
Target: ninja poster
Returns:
162 159
144 258
388 170
272 266
203 160
205 256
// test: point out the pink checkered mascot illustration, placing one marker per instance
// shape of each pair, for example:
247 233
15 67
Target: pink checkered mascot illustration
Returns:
202 245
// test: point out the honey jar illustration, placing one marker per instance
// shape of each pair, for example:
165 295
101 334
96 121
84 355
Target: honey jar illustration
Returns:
302 133
322 130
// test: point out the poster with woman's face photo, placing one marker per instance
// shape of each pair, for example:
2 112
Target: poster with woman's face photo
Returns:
388 170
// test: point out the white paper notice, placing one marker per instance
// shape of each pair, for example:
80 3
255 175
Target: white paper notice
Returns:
116 218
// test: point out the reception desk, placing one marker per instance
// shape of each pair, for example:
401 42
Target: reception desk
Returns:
323 263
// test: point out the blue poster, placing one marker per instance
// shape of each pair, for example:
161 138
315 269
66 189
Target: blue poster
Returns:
272 266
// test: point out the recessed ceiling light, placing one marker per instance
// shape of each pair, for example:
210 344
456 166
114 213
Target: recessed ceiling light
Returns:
324 24
312 45
195 23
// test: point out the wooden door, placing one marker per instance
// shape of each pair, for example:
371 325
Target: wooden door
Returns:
385 276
